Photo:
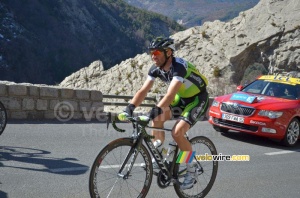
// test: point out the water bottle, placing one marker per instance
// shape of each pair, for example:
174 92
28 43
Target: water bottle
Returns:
171 151
159 146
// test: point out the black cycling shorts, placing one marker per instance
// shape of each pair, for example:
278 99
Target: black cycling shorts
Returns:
190 109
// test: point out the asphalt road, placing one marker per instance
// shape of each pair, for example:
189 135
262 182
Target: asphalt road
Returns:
53 159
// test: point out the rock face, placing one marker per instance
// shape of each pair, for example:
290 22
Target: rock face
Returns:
195 12
264 39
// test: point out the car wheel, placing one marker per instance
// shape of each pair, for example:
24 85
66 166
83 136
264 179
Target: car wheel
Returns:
292 133
220 129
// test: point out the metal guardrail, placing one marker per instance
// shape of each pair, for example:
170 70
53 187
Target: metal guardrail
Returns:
126 103
143 105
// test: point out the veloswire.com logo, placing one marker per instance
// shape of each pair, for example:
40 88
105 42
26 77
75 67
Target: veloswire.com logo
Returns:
189 156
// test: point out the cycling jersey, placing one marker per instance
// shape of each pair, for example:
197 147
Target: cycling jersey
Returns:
183 71
191 101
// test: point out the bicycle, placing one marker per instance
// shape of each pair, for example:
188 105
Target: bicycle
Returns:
3 118
123 168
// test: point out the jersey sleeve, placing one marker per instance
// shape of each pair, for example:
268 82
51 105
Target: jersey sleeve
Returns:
152 71
180 68
178 78
150 78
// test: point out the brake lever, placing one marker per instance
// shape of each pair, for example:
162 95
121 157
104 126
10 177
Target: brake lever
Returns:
108 119
112 119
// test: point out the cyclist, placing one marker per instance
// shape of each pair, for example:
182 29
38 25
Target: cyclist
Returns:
186 98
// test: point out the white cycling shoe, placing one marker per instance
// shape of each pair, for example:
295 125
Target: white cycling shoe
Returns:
189 181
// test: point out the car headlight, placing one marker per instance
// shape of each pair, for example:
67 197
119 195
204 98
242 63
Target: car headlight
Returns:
215 103
270 114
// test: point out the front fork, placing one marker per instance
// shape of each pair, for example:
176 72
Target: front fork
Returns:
131 157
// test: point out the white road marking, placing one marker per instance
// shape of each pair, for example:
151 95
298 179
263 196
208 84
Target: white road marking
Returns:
117 166
58 170
282 152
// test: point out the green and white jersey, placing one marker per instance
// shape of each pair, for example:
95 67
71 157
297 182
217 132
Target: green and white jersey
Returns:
193 81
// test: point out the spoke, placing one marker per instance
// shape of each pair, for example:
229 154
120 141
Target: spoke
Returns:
293 131
111 184
112 187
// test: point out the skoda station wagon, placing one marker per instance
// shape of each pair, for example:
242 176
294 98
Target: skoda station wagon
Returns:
268 107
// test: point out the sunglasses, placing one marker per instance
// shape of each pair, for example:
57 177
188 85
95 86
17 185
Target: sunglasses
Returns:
156 52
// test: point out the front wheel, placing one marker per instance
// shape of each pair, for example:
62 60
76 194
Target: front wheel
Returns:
206 169
108 180
3 118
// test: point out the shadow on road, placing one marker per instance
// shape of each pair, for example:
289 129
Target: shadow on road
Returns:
3 194
33 157
260 141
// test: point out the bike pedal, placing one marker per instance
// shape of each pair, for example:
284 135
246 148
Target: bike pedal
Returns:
155 173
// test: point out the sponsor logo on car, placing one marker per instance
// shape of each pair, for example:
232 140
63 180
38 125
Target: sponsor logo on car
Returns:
243 97
257 122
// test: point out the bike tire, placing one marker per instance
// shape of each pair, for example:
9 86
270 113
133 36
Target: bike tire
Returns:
205 180
104 180
3 118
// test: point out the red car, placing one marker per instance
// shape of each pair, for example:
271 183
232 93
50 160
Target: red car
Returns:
269 107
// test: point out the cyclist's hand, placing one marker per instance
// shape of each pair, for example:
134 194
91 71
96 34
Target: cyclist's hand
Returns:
123 116
144 118
129 109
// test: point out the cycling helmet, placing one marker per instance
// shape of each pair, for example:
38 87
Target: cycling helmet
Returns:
162 44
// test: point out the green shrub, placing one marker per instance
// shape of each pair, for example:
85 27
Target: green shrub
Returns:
217 72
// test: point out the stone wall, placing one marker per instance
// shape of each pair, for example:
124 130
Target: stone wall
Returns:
36 102
42 102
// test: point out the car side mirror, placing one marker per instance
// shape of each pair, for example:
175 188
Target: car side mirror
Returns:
239 88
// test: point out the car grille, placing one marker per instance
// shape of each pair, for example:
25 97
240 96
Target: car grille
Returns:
237 109
235 125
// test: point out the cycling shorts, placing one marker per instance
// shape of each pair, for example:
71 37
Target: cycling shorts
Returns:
190 109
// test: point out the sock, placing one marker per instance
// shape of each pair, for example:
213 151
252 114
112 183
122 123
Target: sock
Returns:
190 167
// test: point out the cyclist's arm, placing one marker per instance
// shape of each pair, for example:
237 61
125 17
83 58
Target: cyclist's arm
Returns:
172 90
142 93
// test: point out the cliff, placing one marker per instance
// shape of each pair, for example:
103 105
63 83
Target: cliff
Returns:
264 39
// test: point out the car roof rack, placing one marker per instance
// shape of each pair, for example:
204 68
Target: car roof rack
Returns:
291 74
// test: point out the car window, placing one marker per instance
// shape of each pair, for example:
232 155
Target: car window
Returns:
274 89
283 90
297 91
256 87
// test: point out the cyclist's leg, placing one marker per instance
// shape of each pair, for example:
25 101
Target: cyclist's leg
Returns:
205 172
178 134
194 109
158 122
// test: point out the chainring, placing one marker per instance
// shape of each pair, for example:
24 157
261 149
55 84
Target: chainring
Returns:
161 181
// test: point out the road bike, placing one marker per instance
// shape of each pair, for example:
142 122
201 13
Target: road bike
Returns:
3 118
123 168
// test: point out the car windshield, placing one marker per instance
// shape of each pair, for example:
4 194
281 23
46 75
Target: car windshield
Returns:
274 89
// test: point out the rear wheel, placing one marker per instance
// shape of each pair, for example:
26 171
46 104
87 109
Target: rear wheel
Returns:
292 133
106 180
206 170
3 118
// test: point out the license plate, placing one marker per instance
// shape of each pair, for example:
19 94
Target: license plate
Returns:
232 118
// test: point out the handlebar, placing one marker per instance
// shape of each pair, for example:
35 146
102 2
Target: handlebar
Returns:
140 120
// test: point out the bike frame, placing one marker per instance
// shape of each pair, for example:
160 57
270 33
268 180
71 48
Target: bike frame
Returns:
140 135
